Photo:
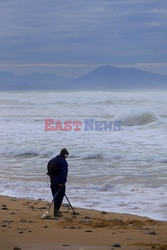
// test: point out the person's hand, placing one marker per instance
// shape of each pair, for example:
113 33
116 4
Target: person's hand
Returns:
61 185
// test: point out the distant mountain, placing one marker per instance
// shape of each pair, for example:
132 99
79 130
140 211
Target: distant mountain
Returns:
35 81
108 77
103 78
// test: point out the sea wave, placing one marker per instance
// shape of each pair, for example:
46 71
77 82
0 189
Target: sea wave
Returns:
25 151
107 187
135 117
94 155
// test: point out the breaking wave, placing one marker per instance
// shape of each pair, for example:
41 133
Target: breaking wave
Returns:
93 156
136 117
32 152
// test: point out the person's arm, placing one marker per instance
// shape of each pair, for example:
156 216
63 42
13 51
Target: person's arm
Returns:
63 172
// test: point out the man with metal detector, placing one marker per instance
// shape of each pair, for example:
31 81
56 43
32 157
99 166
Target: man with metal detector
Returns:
58 171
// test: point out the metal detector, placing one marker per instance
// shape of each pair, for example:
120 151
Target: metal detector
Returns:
70 205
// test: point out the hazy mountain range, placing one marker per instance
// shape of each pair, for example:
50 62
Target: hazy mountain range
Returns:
35 81
104 77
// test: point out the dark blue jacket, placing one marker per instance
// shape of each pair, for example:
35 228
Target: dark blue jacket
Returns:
61 177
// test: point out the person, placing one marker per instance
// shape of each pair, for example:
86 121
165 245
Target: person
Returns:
59 180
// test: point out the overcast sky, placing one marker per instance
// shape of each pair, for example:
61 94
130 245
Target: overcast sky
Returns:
72 37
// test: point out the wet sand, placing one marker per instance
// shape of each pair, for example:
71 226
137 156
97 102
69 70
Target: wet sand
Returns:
23 228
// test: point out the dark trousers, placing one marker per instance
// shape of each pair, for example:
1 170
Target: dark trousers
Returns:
60 195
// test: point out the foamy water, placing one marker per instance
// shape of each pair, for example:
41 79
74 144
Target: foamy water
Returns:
121 171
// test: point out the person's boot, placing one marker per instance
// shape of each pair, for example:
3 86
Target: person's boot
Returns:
57 213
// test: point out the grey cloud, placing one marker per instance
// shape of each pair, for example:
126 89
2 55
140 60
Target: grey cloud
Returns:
89 31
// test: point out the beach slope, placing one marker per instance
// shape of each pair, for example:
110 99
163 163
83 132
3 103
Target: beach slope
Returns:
23 228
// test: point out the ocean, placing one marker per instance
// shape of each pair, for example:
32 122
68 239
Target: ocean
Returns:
117 142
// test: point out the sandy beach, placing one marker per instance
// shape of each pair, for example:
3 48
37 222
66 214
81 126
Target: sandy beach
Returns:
23 228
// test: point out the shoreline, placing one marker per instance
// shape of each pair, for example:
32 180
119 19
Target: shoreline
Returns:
23 228
157 218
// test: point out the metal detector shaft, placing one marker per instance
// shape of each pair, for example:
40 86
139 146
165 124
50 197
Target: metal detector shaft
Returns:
50 206
70 204
54 199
